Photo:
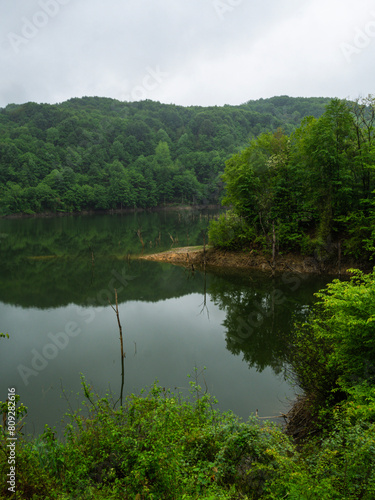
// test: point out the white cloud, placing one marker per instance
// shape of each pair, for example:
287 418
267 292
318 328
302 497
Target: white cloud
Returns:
247 51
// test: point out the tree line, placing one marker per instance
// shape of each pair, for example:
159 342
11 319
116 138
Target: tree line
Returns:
97 153
311 191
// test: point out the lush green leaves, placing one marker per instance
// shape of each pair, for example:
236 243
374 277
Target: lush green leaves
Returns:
161 444
141 154
333 354
312 190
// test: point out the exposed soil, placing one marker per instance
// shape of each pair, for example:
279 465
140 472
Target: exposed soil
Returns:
196 257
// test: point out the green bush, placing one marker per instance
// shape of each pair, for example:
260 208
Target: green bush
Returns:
231 232
335 349
162 445
159 445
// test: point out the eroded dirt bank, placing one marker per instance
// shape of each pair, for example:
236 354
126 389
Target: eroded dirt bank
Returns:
195 256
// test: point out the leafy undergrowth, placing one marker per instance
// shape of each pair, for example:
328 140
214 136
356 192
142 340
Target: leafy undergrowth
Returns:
161 445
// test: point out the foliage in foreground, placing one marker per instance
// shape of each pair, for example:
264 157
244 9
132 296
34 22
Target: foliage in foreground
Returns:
158 445
333 359
162 446
334 352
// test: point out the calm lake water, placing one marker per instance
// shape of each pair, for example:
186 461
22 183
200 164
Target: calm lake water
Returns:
57 275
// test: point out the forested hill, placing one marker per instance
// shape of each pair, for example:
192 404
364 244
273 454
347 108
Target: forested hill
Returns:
99 153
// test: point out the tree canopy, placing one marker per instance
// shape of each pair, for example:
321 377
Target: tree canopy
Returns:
309 191
95 153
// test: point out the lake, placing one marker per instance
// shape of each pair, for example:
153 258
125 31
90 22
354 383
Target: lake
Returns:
57 281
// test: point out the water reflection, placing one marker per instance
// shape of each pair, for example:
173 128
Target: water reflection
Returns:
260 312
52 262
58 276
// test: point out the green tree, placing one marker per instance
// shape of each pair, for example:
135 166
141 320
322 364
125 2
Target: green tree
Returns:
14 199
186 187
47 197
164 172
331 154
364 121
255 186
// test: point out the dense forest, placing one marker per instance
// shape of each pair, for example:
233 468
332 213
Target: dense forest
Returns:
96 153
311 191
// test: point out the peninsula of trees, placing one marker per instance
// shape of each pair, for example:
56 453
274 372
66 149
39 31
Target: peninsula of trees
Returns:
309 192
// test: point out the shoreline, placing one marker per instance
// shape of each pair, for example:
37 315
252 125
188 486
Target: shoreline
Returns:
114 211
196 257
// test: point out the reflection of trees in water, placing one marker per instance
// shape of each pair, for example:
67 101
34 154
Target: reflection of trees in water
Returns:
260 313
56 261
108 235
59 282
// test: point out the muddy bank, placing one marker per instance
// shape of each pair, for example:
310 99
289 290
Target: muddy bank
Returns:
197 257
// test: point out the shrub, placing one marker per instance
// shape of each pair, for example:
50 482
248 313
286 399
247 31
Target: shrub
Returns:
231 232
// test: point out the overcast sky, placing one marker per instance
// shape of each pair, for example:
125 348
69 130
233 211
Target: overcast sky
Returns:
189 52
